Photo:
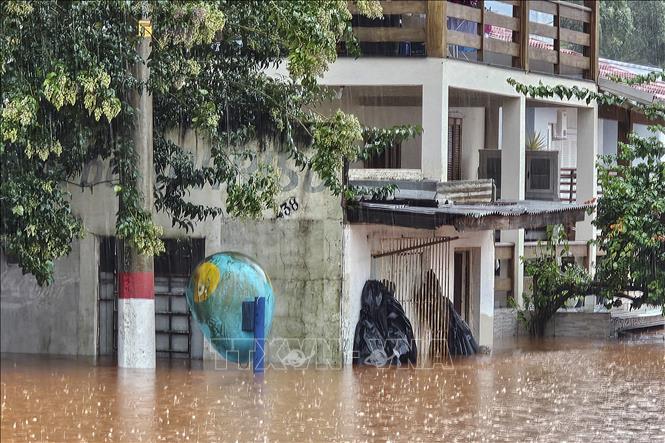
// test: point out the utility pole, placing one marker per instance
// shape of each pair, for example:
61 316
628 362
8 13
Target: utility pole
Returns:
136 277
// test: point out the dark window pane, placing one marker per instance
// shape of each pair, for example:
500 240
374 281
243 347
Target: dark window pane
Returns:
540 173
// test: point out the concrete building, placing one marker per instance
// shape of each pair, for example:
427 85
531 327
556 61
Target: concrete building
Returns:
435 64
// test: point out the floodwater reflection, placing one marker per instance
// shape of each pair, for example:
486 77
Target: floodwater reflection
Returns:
545 391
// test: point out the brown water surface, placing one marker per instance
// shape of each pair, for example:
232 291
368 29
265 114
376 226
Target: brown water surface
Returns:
548 391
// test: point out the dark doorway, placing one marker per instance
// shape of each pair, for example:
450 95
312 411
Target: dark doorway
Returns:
461 288
173 322
107 298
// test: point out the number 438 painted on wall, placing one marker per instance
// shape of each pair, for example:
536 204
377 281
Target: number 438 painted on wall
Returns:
288 207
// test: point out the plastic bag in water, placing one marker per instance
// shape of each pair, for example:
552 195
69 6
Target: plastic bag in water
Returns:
383 334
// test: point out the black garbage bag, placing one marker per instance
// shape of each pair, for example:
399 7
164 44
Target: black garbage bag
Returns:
383 334
460 339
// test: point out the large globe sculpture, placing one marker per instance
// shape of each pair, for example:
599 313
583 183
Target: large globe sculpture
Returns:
215 293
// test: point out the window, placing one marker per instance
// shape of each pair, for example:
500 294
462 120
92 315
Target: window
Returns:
454 148
540 173
391 158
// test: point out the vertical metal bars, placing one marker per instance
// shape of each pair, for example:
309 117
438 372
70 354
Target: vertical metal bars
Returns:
419 274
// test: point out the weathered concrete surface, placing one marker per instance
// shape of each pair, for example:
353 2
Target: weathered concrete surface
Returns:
301 252
505 323
302 256
136 333
564 324
47 319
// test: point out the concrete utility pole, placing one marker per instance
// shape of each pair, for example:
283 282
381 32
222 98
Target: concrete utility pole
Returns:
136 278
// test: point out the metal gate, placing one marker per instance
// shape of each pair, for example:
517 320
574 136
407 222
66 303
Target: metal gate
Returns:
417 270
173 323
107 298
173 320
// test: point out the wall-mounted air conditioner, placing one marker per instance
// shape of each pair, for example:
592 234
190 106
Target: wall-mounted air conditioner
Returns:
561 125
542 172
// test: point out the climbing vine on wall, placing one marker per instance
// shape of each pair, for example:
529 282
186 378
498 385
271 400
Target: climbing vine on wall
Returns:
66 81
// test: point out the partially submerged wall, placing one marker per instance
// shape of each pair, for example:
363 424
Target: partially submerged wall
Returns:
564 324
301 252
55 319
505 323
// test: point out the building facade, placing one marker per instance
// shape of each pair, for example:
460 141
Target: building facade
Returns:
441 65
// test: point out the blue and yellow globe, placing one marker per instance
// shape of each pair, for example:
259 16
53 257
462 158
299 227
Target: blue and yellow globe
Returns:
215 293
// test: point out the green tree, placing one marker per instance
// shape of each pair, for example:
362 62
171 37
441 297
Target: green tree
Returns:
630 214
630 217
66 83
553 282
633 31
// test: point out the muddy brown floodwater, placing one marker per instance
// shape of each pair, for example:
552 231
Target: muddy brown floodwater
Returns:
547 391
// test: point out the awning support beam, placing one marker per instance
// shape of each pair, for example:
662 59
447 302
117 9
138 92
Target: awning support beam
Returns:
410 248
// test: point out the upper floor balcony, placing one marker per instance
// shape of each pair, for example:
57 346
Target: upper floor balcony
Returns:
552 37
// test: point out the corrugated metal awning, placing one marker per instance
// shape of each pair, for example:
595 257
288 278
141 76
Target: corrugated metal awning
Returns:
496 215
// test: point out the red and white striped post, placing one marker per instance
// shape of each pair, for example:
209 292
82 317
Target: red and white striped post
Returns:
136 282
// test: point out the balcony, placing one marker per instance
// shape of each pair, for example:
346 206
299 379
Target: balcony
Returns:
554 37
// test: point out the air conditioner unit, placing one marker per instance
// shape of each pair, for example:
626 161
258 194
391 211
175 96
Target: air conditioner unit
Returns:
561 126
542 172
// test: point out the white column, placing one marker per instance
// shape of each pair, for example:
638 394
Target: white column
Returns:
587 176
486 327
434 156
513 172
136 333
587 184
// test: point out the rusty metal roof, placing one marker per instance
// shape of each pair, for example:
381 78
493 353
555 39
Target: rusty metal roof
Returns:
496 215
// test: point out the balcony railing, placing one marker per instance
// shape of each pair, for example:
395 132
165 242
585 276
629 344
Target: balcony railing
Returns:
560 34
568 185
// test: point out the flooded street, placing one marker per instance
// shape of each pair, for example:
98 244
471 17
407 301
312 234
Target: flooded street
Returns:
550 391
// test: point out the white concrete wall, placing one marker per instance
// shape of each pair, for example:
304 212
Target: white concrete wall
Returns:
643 131
567 148
356 267
513 121
473 137
387 116
608 131
97 208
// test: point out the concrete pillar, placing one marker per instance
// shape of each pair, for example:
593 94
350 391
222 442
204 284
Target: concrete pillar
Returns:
492 125
587 182
434 157
136 279
486 332
513 173
88 317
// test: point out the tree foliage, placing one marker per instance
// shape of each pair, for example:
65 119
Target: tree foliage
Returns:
633 31
66 82
630 218
553 282
630 214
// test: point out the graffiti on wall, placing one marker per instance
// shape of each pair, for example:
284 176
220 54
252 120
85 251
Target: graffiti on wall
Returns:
100 171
